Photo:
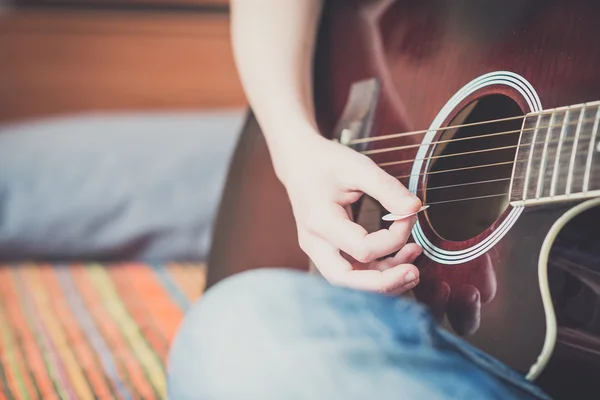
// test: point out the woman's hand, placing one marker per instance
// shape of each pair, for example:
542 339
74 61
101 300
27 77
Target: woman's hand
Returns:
322 177
274 49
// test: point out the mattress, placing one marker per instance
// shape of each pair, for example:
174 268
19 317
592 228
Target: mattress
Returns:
89 331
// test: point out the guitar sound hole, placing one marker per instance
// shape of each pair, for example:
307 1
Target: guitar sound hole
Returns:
468 180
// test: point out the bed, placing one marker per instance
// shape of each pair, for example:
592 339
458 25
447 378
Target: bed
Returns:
105 225
91 330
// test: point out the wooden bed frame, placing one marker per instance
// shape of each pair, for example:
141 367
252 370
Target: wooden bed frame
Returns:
62 57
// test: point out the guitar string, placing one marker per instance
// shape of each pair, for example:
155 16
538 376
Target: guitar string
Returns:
470 183
468 198
574 174
412 133
475 183
511 162
382 210
410 146
570 140
466 153
464 184
357 141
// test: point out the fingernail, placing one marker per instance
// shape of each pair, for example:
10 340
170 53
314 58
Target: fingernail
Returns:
411 285
409 277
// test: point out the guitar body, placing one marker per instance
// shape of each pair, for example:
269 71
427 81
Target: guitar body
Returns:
521 283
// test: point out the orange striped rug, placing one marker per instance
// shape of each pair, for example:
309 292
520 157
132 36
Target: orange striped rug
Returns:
90 331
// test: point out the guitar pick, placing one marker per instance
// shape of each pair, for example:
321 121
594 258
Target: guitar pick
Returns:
394 217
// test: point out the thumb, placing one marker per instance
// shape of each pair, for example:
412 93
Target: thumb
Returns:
386 189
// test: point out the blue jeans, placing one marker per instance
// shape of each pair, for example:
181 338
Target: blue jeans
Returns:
285 335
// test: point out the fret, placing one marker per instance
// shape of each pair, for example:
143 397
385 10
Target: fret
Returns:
581 147
556 154
557 158
552 140
591 149
574 151
531 148
547 138
593 180
517 184
536 150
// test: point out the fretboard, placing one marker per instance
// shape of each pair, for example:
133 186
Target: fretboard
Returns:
558 156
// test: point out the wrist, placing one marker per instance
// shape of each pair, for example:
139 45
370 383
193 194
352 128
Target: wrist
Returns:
289 145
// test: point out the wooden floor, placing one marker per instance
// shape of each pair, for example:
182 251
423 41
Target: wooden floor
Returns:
57 61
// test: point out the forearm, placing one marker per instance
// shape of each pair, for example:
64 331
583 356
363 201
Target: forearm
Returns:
273 43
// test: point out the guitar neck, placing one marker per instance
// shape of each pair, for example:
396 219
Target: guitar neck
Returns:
557 158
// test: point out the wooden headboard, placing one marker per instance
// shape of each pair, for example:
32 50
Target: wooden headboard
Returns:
65 57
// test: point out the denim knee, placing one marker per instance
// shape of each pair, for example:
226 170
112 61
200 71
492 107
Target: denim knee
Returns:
274 333
231 335
279 334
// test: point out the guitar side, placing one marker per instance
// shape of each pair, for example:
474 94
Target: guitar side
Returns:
255 227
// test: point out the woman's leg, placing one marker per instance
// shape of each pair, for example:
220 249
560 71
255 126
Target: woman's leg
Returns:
280 334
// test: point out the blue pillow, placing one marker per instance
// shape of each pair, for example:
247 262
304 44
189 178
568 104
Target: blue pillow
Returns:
113 187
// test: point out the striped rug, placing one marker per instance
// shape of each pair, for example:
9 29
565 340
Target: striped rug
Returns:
90 331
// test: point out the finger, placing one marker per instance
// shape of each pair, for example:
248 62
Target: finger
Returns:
326 258
407 255
339 271
464 309
436 295
389 281
483 277
404 257
405 288
348 236
385 188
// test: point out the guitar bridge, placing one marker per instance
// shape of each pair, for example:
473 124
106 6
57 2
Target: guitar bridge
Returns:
357 118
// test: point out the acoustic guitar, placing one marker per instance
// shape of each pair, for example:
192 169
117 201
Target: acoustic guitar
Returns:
489 112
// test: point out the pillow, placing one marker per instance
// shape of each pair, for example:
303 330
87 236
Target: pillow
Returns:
113 187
